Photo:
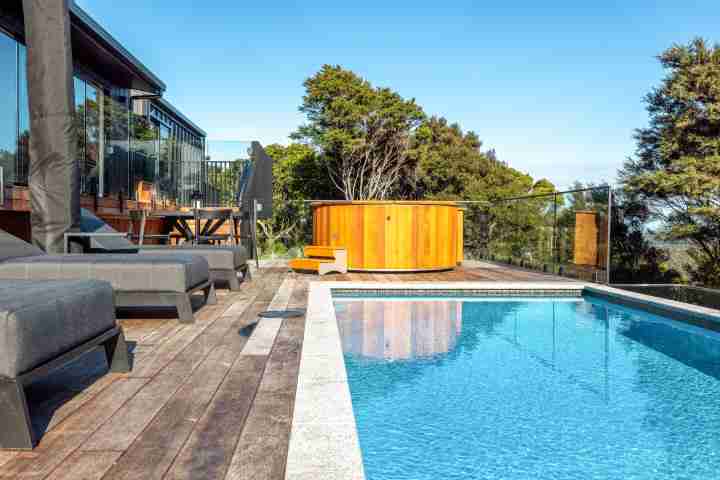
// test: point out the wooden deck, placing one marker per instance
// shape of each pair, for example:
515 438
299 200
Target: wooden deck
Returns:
197 404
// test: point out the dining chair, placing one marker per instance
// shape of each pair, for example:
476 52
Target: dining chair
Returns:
213 220
140 217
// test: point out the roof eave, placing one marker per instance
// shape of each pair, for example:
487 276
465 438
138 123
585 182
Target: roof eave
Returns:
83 20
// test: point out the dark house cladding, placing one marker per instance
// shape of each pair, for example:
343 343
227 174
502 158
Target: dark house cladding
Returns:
125 132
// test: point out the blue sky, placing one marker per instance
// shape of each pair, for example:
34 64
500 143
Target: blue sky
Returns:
555 87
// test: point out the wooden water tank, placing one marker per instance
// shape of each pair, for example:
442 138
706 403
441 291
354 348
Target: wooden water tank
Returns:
585 251
391 235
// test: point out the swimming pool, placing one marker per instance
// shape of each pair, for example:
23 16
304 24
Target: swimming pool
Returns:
529 388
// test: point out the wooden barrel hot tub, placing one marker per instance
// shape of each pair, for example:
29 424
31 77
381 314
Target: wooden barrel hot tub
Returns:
392 236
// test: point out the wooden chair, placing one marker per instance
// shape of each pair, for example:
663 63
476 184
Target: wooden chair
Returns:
144 192
213 221
140 217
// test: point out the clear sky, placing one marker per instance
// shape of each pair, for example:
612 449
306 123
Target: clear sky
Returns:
555 87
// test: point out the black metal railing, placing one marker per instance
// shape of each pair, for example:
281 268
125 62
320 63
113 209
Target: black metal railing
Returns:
220 183
222 180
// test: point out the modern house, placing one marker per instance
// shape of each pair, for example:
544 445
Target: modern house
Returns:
126 132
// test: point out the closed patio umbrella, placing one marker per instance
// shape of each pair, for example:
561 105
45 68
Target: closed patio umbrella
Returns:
53 173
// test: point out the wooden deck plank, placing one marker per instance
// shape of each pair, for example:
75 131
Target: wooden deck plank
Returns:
55 398
262 450
298 299
69 434
151 453
139 329
281 370
6 456
149 363
85 466
160 334
119 432
209 449
126 425
154 450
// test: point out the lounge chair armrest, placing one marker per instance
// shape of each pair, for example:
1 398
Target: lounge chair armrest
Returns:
70 235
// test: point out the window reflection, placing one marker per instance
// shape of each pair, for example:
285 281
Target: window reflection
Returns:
117 139
144 155
90 170
8 106
23 153
79 87
165 180
114 145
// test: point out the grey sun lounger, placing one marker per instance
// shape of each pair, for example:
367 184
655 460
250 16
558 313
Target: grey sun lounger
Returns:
138 280
224 261
43 326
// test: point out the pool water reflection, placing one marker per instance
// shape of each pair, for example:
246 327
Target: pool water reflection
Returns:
399 329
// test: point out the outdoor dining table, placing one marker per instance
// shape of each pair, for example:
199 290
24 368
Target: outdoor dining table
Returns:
178 220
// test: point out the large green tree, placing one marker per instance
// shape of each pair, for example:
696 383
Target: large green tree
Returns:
299 175
446 163
362 132
676 169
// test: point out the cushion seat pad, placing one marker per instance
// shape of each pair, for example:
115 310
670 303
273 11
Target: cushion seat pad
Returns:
125 272
219 257
40 320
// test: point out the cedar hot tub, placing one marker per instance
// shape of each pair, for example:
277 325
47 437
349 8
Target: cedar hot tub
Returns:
392 236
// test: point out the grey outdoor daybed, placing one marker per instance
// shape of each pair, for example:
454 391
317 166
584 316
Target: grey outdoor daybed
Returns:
138 280
43 326
224 261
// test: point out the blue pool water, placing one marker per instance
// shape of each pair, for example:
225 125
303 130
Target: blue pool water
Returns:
519 388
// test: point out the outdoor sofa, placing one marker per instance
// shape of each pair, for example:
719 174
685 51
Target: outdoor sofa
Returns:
225 261
43 326
138 280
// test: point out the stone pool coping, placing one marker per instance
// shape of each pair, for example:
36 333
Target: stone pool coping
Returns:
323 440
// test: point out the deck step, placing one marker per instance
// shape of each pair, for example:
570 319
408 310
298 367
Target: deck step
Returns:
320 251
310 264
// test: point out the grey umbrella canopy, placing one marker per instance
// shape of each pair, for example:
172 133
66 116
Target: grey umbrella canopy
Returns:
53 174
260 184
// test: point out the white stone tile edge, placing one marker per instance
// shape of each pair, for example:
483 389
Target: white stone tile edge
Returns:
323 438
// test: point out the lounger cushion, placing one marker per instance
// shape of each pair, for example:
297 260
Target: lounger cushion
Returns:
13 247
89 223
126 272
42 320
219 257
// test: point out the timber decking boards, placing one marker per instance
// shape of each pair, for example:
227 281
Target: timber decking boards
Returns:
193 406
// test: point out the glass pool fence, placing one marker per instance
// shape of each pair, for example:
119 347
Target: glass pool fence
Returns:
590 234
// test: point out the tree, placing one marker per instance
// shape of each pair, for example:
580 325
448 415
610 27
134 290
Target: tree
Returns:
299 175
7 162
222 180
676 169
522 228
446 163
443 162
362 132
634 258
